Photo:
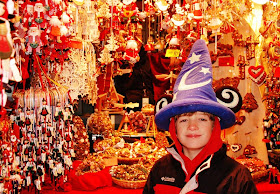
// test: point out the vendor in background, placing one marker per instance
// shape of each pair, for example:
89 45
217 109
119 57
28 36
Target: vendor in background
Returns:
138 83
197 162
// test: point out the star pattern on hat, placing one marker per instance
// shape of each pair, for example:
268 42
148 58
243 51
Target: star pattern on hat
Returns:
205 70
194 58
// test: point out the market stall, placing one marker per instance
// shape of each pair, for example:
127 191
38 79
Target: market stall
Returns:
82 80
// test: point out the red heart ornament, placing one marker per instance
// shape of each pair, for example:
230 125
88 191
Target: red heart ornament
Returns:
257 74
235 147
256 71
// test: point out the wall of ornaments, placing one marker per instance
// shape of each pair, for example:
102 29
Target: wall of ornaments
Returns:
238 68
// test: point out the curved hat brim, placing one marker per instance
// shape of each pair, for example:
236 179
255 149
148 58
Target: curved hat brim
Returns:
162 118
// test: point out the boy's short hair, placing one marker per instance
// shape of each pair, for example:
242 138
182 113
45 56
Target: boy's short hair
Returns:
211 116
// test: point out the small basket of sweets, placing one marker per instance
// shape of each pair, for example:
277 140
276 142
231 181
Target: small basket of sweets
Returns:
129 184
127 156
129 176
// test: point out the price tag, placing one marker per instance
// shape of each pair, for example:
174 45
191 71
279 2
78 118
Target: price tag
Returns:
172 53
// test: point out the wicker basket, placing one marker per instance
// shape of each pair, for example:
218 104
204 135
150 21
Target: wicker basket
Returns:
129 184
128 161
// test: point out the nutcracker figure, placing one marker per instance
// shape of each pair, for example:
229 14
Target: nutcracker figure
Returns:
49 166
29 119
54 172
15 181
44 113
58 115
20 121
68 113
41 171
25 150
43 156
37 184
30 169
59 172
50 133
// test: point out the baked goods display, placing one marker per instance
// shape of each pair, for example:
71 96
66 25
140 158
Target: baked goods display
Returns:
100 123
134 160
112 142
129 176
161 140
134 172
80 139
256 166
93 163
148 109
139 121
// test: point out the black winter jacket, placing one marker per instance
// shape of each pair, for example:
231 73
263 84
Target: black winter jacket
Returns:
217 174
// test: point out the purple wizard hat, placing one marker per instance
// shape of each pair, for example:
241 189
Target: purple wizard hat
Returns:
193 90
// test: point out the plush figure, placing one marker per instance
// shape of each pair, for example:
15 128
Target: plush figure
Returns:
54 29
55 7
6 49
149 8
39 12
129 9
131 52
28 15
34 40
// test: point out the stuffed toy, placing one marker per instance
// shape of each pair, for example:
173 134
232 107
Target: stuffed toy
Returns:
33 40
131 52
39 12
9 69
28 15
129 9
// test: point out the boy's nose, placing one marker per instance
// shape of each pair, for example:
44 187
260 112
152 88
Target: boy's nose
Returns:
192 125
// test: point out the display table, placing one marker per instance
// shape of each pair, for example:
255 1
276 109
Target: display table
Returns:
106 190
266 188
263 187
101 183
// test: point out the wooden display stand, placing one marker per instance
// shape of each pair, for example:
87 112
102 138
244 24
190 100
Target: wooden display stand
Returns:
124 122
151 127
106 99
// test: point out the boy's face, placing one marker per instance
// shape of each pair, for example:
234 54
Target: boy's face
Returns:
194 131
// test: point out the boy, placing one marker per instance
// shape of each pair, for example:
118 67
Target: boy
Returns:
197 162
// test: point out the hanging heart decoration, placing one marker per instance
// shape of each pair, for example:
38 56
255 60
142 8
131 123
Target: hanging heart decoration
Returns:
240 120
257 74
235 147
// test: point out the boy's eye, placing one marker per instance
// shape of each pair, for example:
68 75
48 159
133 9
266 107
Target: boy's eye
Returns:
203 119
183 120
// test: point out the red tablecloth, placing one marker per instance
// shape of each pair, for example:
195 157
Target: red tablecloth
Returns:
266 188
